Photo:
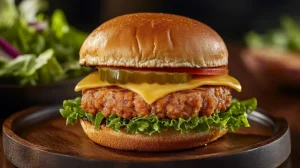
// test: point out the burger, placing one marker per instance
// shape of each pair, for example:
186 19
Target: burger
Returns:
160 83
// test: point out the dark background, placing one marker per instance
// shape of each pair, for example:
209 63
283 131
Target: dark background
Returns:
230 18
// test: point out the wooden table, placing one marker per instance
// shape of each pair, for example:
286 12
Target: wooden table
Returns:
274 102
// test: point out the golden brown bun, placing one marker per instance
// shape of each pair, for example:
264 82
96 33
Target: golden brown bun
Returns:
166 141
154 40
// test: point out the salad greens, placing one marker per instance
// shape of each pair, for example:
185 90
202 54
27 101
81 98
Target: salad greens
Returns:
287 37
8 13
29 69
234 118
30 8
49 45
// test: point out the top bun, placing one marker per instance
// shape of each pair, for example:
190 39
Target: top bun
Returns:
154 40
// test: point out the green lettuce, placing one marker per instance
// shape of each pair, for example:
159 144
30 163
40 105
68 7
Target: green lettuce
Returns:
30 8
2 62
286 37
234 118
34 33
30 69
8 13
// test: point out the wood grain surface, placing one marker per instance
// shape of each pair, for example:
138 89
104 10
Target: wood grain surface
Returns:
273 101
55 136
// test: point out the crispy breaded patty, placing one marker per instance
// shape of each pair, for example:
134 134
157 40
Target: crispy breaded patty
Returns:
202 101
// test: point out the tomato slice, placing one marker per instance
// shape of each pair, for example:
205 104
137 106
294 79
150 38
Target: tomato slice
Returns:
195 71
200 71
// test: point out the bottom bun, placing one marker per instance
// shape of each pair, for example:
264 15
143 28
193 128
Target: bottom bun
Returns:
166 141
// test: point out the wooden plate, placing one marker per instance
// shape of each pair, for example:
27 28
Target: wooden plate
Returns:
38 137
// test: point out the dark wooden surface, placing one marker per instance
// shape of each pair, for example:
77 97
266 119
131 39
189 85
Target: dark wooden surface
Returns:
277 103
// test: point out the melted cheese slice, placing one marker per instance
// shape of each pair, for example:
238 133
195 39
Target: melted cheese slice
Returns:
151 92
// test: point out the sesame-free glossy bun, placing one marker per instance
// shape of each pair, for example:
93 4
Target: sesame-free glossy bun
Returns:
154 40
166 141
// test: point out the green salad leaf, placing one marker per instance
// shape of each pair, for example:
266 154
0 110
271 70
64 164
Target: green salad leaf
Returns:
37 36
287 37
66 40
30 8
2 62
8 13
234 118
30 69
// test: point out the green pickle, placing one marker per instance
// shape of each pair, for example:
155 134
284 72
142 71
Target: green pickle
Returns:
123 76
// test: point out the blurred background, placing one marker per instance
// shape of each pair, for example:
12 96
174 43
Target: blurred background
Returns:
230 18
264 48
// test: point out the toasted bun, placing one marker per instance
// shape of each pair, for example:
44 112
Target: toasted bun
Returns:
165 141
154 40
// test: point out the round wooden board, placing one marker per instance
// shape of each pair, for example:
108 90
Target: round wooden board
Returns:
38 137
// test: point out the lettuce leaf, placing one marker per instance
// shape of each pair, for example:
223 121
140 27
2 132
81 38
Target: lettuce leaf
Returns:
33 33
2 62
8 13
234 118
30 8
30 69
286 37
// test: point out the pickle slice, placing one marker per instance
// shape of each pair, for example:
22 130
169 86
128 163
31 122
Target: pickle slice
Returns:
125 76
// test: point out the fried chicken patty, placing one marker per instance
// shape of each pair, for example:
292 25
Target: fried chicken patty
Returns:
201 101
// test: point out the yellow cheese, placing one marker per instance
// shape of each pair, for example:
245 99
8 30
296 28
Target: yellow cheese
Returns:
151 92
